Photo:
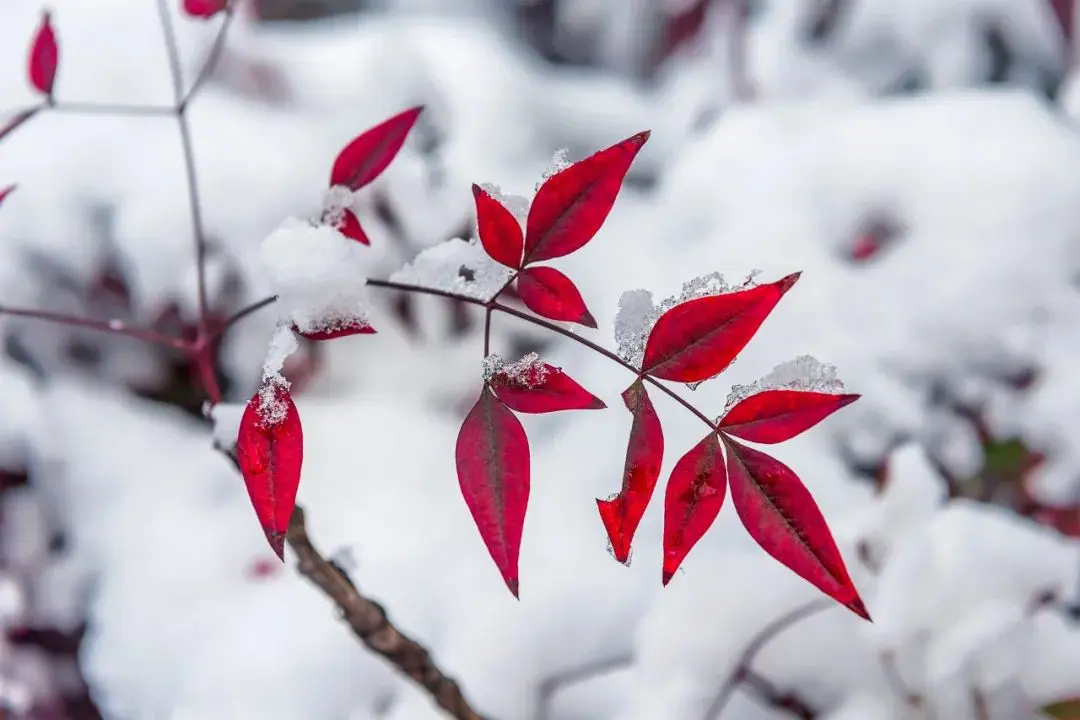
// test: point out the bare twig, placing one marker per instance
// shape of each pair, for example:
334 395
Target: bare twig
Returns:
369 623
107 326
550 687
744 673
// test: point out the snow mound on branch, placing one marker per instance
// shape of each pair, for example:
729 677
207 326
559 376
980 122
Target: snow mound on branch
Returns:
457 266
318 274
803 373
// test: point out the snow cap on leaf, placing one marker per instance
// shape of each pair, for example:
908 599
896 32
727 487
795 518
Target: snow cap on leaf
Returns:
530 385
791 399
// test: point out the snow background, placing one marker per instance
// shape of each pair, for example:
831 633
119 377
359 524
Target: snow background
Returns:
160 544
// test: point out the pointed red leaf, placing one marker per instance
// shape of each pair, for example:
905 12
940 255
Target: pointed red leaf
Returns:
499 230
204 8
44 55
695 494
545 389
697 339
368 154
644 454
343 330
773 416
4 192
350 227
493 471
270 451
782 517
549 293
572 204
17 120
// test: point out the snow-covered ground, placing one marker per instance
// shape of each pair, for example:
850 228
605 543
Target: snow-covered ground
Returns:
979 285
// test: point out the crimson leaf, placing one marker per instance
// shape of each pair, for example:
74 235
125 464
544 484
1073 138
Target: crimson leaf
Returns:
774 416
697 339
695 494
270 451
781 516
369 153
204 8
543 389
493 471
350 227
644 454
499 230
572 204
549 293
44 56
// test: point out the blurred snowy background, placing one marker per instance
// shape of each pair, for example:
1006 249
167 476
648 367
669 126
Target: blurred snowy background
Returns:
919 161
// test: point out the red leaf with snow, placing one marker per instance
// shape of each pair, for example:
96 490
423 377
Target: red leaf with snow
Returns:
342 330
695 494
543 389
16 121
499 230
773 416
270 451
549 293
369 153
5 192
204 8
493 471
351 228
44 56
781 516
572 204
644 454
697 339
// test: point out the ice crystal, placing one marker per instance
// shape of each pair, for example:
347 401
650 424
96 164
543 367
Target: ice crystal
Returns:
272 408
558 164
528 372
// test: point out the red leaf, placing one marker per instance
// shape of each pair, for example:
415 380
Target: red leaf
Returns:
695 494
43 57
4 192
773 416
14 123
549 293
365 158
499 230
204 8
572 204
493 471
350 227
697 339
270 451
782 517
351 328
644 454
546 389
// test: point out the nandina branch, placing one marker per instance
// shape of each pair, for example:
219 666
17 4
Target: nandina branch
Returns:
744 673
369 622
114 327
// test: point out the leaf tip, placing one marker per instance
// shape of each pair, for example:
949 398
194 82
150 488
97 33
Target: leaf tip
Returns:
856 606
786 283
587 320
277 543
597 404
668 574
512 586
641 138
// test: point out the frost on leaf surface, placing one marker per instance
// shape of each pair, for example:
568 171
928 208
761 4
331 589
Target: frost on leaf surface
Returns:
318 275
336 200
528 372
638 312
804 373
272 408
457 266
558 164
516 204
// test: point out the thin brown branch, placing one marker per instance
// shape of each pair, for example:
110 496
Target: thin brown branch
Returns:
107 109
743 672
370 624
554 684
114 327
211 59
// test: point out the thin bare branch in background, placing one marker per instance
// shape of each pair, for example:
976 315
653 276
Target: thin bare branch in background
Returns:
551 687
